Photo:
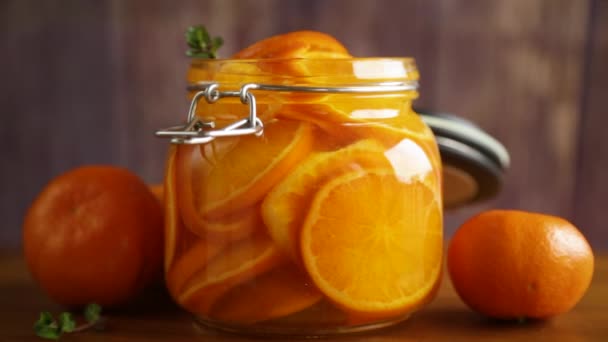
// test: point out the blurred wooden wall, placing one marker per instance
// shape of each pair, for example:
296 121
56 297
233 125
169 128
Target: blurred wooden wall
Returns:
89 81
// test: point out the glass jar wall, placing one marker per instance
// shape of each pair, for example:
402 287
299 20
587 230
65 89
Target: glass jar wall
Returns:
328 221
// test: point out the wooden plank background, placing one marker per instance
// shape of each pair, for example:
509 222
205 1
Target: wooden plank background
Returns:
89 81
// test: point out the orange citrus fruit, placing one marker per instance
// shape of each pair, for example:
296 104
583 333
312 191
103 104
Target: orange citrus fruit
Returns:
237 263
286 205
171 211
158 191
94 234
372 243
513 264
277 293
231 174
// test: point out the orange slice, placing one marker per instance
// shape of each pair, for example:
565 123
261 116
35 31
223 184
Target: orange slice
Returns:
172 219
389 121
286 206
236 227
432 257
237 263
293 45
371 243
232 227
233 173
278 293
193 260
297 44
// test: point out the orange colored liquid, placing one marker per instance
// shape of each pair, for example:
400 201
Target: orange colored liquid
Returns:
331 220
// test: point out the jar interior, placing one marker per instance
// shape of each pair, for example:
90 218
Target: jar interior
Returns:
329 221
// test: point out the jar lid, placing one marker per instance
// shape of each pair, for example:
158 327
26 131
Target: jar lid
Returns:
474 162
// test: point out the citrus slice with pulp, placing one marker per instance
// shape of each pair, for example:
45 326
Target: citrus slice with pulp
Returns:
232 227
286 205
371 243
236 264
297 44
193 260
294 45
278 293
230 174
389 121
171 214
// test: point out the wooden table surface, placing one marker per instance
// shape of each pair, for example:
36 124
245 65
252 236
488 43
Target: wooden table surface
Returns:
447 318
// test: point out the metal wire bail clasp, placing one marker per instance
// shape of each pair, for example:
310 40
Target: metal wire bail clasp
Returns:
196 131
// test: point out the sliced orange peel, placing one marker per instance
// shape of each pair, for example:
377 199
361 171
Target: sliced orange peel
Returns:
237 264
286 206
368 196
389 235
278 293
293 45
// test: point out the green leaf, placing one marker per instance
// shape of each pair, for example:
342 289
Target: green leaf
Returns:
203 36
46 327
200 43
192 37
66 322
45 319
217 43
49 332
92 313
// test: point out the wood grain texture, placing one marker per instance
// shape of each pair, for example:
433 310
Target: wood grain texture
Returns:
89 82
155 318
56 98
592 183
519 78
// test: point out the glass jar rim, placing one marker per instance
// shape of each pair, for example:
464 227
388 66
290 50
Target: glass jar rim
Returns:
361 68
380 58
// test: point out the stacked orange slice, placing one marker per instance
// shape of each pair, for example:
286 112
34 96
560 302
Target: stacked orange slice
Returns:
278 293
276 224
372 243
309 45
286 206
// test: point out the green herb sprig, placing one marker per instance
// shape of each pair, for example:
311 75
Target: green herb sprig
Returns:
49 328
200 43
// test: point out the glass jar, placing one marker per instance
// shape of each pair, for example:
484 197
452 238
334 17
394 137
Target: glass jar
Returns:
302 197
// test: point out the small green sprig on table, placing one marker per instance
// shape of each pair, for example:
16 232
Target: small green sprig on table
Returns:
49 328
200 43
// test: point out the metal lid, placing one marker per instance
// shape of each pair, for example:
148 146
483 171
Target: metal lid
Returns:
474 162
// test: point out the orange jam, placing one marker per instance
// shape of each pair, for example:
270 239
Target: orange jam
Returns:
329 221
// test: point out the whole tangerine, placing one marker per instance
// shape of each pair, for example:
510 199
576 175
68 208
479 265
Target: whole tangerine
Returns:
511 264
94 234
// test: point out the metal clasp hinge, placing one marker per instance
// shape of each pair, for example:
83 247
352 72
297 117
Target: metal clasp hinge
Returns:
197 131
